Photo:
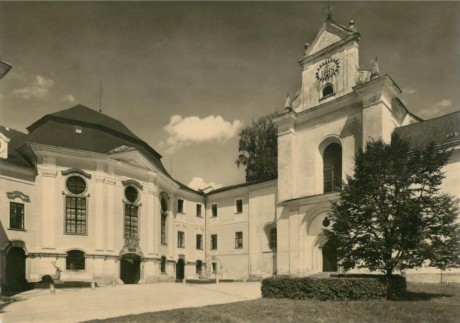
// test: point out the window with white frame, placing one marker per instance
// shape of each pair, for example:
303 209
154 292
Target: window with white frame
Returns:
76 206
180 239
131 220
16 216
75 260
238 240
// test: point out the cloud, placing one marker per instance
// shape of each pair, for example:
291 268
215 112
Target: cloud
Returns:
409 91
442 104
39 89
68 98
188 130
199 183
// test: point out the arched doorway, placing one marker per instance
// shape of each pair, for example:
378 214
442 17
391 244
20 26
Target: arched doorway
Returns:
130 268
329 257
180 269
16 270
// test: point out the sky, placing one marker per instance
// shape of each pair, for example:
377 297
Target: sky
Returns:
187 76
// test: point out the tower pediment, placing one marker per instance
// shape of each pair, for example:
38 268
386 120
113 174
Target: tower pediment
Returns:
329 34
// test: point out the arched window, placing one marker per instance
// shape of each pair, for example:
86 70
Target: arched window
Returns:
332 168
131 219
75 205
199 265
163 265
164 208
328 89
273 235
75 260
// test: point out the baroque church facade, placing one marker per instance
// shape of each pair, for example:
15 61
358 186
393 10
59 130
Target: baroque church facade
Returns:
82 198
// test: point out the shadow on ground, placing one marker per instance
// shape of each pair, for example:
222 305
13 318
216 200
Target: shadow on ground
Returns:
421 296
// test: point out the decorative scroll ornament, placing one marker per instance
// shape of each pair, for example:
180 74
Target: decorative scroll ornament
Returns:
17 194
327 69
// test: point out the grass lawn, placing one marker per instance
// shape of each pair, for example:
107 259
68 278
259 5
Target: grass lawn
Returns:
423 303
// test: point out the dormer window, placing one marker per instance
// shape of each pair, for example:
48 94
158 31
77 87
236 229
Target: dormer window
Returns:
328 90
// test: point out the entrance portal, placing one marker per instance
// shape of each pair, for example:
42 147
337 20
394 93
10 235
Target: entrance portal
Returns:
329 257
130 268
16 270
180 269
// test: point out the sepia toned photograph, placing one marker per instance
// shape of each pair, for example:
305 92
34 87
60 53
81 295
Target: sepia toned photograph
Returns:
229 161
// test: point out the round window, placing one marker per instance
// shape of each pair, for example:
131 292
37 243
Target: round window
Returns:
76 185
164 204
131 194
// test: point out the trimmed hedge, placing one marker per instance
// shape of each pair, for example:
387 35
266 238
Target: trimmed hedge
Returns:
339 287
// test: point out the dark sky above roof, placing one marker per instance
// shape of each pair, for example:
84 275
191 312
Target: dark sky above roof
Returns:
236 60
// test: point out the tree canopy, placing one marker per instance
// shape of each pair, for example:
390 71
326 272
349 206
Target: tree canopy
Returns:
257 149
391 214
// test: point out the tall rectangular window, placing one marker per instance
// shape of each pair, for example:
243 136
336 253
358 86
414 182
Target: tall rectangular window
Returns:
180 206
130 221
163 228
239 206
180 239
199 242
198 210
75 215
238 240
213 241
16 216
214 209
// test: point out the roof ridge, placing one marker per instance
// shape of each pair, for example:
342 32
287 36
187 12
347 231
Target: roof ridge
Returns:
427 120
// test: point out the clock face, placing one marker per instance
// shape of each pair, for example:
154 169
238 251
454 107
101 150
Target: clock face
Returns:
327 69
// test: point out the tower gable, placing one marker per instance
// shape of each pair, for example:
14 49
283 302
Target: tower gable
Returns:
329 34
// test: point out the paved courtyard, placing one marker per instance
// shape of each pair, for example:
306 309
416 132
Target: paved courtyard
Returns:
76 305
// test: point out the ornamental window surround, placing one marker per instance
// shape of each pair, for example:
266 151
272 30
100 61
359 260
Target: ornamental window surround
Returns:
131 210
17 209
76 204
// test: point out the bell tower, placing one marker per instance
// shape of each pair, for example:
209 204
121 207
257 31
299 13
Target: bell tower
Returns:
330 65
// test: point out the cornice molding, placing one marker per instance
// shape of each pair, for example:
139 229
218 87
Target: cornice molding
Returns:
76 171
16 194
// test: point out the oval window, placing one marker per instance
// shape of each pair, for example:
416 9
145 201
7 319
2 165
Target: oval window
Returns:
131 194
76 185
164 204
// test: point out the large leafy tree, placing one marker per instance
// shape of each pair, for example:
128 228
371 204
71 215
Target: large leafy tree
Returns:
391 214
257 149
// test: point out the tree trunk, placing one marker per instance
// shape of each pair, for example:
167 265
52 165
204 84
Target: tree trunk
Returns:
388 274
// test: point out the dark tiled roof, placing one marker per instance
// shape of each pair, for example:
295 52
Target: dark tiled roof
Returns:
81 114
99 133
231 187
16 138
442 130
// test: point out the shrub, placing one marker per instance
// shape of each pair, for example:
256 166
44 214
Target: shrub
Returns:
339 287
